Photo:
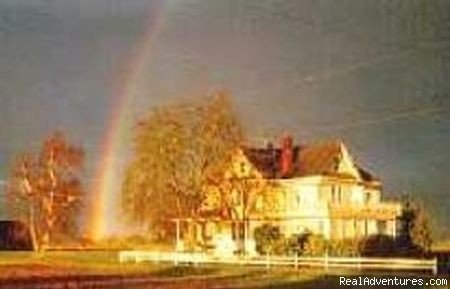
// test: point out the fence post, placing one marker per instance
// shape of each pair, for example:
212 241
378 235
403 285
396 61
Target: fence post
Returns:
296 260
326 261
435 266
195 260
268 261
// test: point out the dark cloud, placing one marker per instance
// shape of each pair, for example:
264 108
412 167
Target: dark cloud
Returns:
358 70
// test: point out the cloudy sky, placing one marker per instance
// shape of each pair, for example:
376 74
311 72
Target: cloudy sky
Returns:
373 73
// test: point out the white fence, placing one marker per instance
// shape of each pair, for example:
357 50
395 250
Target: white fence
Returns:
294 261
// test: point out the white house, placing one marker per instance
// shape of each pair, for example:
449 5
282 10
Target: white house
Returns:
317 188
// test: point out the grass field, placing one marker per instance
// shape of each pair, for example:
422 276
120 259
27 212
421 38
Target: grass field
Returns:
26 265
102 262
23 265
51 264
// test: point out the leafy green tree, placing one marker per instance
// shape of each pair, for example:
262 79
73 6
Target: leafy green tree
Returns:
44 190
179 150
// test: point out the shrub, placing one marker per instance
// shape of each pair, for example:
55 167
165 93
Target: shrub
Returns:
293 245
315 245
269 239
344 248
307 244
381 245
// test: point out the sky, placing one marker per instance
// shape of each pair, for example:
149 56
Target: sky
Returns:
373 73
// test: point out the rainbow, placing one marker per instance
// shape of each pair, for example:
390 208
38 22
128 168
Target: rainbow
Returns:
104 182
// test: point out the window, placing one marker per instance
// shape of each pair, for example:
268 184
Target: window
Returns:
367 197
210 229
382 227
366 227
298 200
336 194
242 167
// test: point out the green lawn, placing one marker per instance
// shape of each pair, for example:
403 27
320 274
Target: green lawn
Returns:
55 264
51 264
100 262
20 264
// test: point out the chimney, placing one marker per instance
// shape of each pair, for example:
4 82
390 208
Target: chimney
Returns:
272 162
287 155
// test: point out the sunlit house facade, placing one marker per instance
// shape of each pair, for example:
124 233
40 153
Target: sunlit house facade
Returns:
316 188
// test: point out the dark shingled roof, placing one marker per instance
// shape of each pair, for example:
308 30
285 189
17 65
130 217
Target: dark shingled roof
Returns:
307 160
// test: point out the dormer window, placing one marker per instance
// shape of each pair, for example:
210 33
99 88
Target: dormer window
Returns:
242 167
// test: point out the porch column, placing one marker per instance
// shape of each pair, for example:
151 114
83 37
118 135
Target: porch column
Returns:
245 237
177 244
394 228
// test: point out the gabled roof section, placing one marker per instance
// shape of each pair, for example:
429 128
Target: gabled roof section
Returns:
320 159
367 176
329 158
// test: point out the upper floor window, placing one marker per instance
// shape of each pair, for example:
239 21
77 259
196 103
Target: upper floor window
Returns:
367 197
336 194
242 167
298 200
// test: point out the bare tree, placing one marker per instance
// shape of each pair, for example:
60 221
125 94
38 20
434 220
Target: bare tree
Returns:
44 189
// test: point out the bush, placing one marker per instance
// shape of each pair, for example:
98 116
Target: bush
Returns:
344 248
269 240
315 245
307 244
386 246
294 245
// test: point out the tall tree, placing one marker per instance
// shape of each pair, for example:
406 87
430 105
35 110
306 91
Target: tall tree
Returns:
416 229
44 189
178 151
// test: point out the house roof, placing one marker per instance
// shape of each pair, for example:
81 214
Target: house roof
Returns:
307 160
322 158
